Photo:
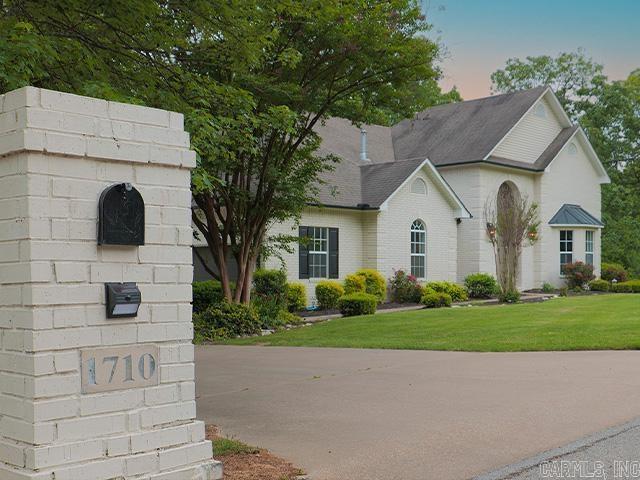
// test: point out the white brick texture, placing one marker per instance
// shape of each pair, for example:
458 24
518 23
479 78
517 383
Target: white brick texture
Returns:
58 152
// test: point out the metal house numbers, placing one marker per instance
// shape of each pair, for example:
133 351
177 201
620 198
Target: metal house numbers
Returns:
121 216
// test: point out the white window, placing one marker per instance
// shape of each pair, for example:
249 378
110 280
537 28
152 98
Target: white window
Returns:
566 248
588 247
418 249
318 252
541 111
418 186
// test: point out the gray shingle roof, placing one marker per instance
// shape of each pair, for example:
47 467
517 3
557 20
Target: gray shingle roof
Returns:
451 134
461 132
574 215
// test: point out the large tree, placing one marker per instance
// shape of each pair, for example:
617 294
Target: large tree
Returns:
609 111
253 77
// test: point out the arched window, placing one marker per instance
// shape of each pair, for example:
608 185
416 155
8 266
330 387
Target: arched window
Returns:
418 186
572 149
541 111
418 249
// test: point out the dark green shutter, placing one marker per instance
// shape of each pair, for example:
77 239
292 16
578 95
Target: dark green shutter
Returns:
333 253
303 255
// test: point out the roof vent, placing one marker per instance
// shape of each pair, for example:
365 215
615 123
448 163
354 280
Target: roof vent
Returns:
363 147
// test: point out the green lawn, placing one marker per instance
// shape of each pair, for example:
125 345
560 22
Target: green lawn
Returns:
595 322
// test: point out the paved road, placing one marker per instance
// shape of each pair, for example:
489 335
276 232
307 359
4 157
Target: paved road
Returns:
348 414
609 454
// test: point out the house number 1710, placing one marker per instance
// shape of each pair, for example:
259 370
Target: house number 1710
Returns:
107 369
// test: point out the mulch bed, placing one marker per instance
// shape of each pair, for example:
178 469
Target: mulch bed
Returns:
253 466
335 311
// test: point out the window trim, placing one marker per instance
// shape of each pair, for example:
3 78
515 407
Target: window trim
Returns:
422 183
566 243
589 242
420 228
311 251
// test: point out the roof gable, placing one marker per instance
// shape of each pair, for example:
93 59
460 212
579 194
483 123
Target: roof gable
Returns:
461 132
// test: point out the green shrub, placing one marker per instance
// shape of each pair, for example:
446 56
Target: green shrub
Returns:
269 296
433 299
599 285
481 285
296 297
564 291
578 274
548 288
622 287
404 288
512 296
635 285
374 283
205 294
613 271
327 294
456 292
357 304
225 320
270 283
354 284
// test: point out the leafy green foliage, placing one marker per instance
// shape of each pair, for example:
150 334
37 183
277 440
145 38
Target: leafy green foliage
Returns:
270 297
578 274
548 288
375 283
205 294
511 296
225 320
599 285
354 283
404 288
433 299
327 294
296 297
455 291
613 271
481 285
253 78
358 303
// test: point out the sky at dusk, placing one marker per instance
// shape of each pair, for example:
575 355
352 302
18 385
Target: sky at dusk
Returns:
479 36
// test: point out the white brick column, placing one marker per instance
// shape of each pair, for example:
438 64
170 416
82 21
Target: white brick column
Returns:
57 154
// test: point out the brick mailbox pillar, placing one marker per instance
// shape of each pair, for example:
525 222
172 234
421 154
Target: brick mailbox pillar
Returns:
84 396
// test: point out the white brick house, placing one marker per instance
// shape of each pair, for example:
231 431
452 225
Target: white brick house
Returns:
412 196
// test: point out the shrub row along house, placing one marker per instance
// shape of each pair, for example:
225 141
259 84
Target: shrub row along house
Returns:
413 196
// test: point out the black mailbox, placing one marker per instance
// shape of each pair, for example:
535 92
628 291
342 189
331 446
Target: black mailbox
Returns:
121 216
123 300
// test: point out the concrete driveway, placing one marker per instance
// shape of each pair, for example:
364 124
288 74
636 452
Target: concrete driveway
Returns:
348 414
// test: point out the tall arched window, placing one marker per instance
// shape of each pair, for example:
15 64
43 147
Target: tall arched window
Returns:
418 249
418 186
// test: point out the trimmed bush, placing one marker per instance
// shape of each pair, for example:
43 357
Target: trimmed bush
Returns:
404 288
578 274
613 271
225 320
622 287
374 283
434 299
327 294
548 288
635 285
510 297
599 285
205 294
269 296
296 297
357 304
456 292
481 285
354 284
